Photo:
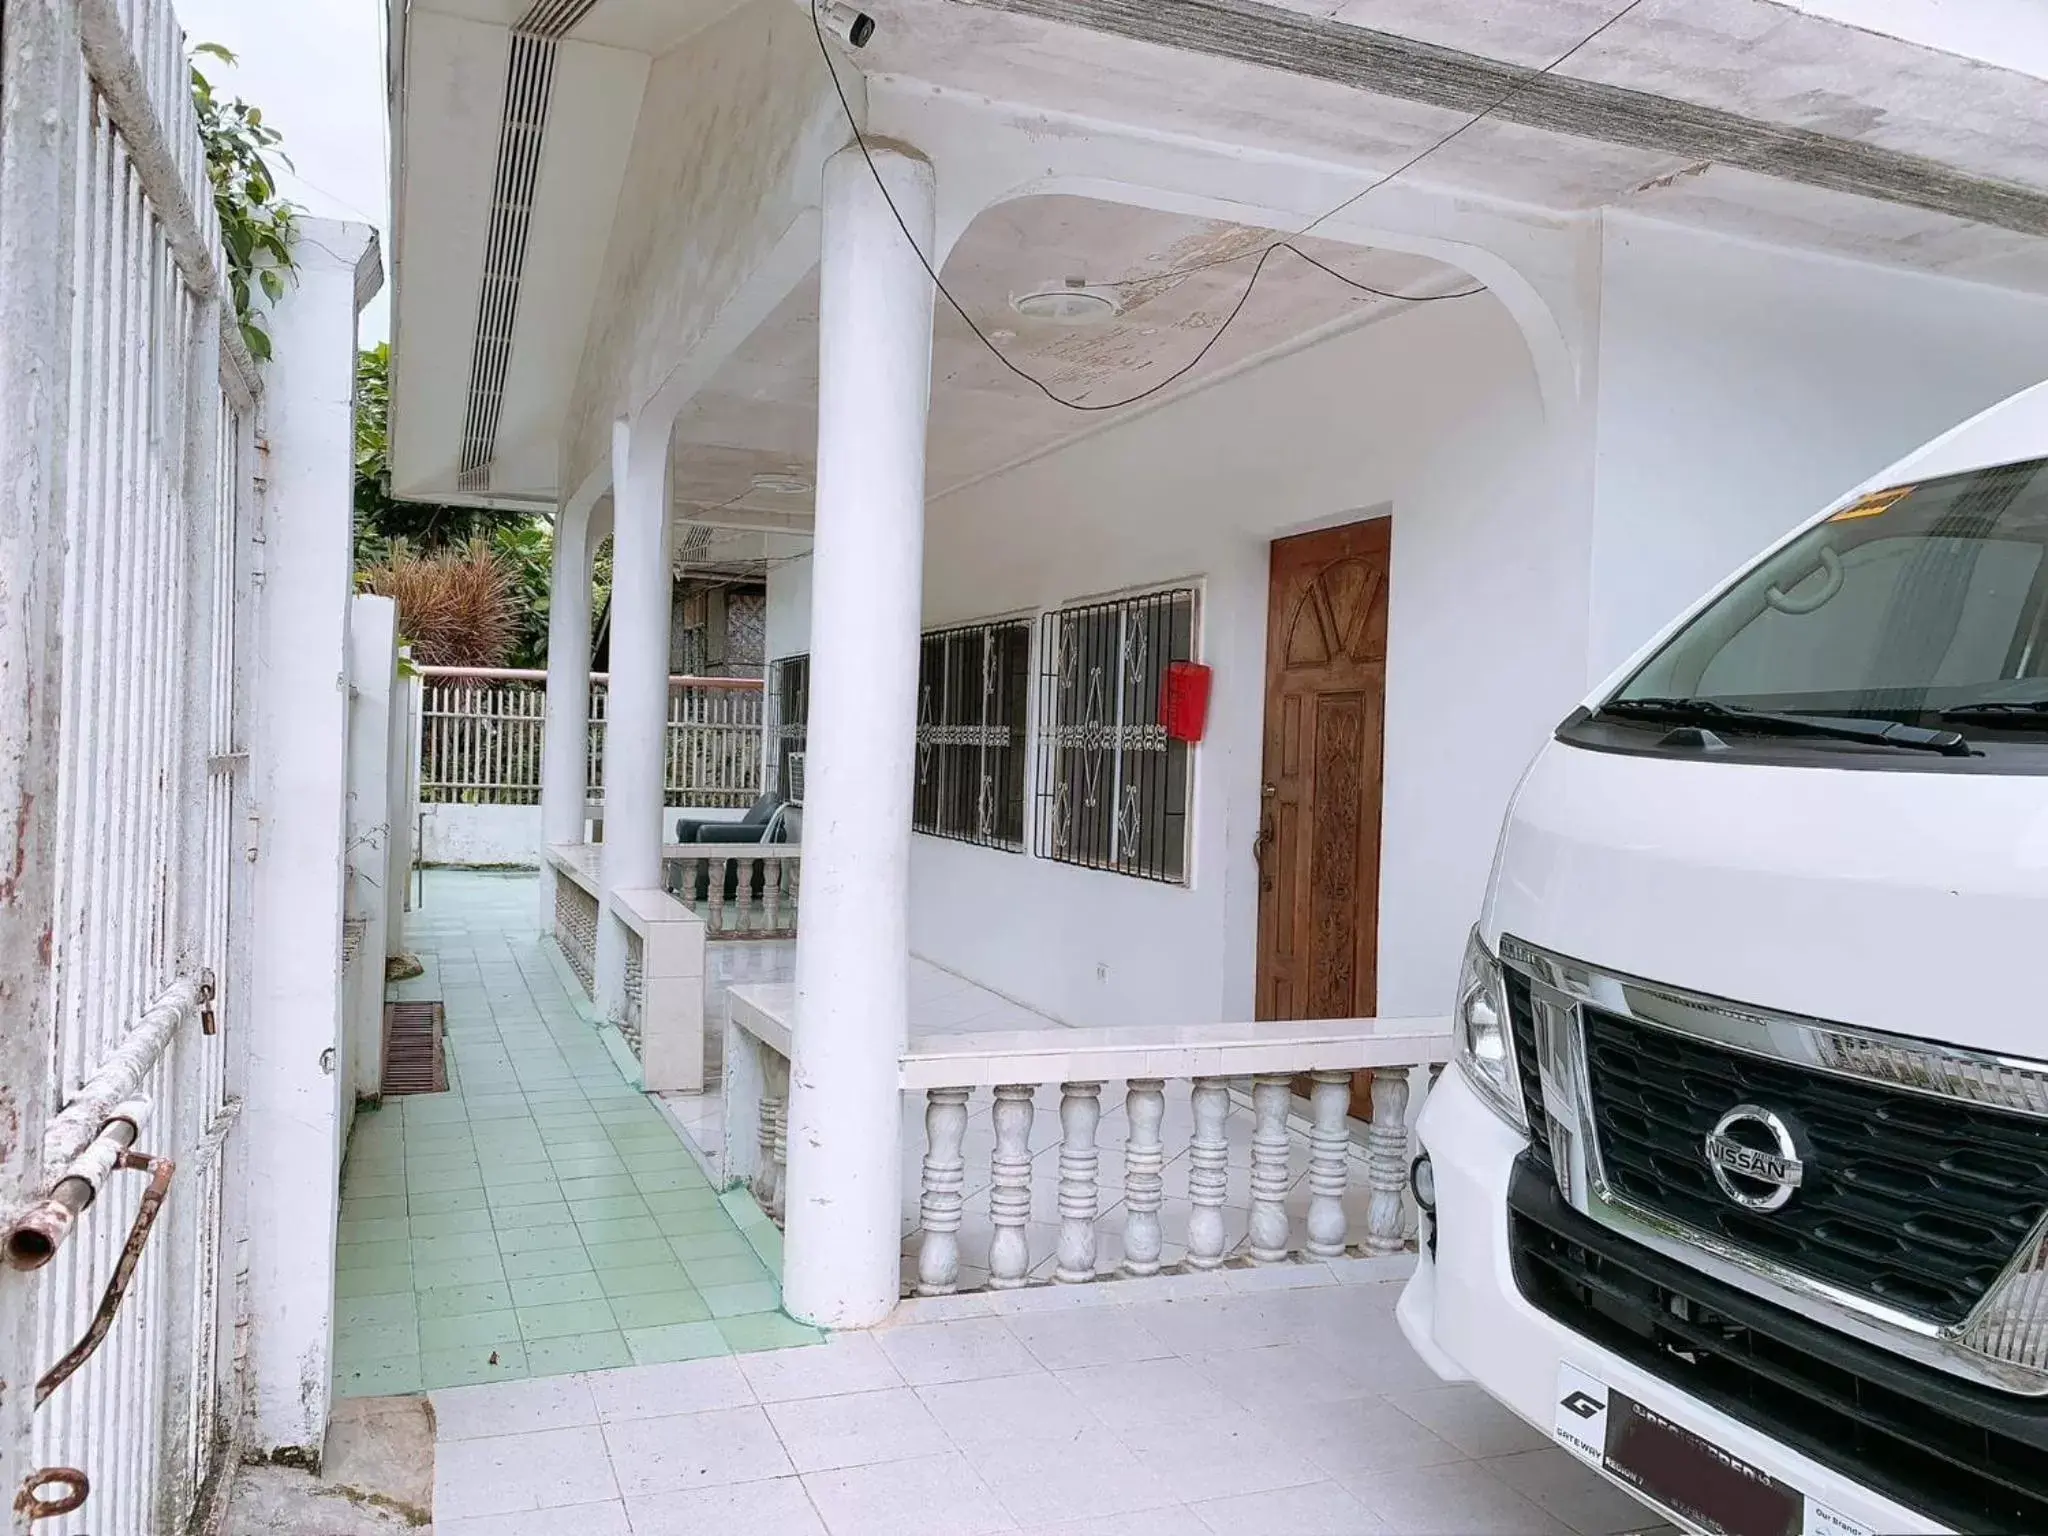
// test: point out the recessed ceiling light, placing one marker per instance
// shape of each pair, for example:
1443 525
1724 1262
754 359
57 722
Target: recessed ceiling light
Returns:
781 485
1072 302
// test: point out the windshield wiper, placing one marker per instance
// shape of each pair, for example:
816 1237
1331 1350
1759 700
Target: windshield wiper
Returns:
1764 722
2003 714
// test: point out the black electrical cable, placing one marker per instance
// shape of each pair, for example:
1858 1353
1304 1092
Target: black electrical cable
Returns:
1265 255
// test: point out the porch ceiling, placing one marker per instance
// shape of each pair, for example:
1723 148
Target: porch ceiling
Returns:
1620 126
759 414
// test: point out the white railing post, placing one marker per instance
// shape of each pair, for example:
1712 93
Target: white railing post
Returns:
1386 1142
945 1176
1144 1187
1208 1172
1329 1163
1009 1253
1080 1113
1270 1093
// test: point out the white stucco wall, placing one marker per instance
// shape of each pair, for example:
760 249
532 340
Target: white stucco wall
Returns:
1742 387
483 836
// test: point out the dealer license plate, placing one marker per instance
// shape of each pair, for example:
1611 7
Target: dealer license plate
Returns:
1679 1470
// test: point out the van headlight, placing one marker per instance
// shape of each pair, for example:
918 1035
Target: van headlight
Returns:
1486 1042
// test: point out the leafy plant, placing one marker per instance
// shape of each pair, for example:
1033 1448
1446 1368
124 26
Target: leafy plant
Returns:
256 224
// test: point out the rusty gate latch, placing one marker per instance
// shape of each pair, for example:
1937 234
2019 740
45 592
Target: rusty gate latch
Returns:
159 1170
208 1024
31 1502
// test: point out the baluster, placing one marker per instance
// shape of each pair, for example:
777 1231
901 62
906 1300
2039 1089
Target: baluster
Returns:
1080 1113
1270 1094
1329 1163
771 892
1208 1173
780 1190
717 894
771 1111
1386 1148
1009 1200
945 1175
1144 1156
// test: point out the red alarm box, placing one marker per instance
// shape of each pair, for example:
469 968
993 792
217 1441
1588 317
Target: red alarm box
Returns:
1184 700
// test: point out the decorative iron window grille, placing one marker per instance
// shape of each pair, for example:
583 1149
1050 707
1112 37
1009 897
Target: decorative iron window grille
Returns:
1112 790
792 690
971 699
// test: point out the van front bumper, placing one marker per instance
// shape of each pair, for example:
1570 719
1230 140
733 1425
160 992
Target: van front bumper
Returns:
1463 1312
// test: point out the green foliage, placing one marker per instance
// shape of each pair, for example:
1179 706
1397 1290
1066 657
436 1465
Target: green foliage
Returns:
256 224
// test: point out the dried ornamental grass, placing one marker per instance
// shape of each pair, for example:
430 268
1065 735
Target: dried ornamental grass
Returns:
454 607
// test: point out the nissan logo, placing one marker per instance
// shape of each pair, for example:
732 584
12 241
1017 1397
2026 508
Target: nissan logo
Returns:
1755 1158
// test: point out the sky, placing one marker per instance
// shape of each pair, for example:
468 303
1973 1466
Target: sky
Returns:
316 68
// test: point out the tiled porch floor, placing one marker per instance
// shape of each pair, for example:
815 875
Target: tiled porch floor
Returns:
1210 1403
542 1217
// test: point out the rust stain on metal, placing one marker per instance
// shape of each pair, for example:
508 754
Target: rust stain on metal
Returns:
30 1503
159 1170
23 814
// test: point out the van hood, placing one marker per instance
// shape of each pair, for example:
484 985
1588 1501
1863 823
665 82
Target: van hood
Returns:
1915 903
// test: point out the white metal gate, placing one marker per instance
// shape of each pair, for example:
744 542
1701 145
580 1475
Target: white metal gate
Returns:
127 452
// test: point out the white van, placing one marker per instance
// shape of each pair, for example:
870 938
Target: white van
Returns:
1739 1188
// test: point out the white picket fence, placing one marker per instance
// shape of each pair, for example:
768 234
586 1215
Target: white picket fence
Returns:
482 730
128 457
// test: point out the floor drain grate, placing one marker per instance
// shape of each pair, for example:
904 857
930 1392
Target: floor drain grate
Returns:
413 1060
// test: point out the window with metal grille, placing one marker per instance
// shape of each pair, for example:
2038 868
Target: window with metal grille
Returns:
1112 789
792 689
971 686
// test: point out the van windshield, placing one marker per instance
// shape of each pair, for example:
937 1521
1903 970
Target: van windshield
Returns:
1923 605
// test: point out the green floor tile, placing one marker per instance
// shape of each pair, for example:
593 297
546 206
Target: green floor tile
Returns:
451 1223
658 1309
382 1229
373 1255
643 1279
376 1186
486 1328
380 1378
440 1177
676 1201
578 1167
443 1201
725 1243
577 1352
733 1269
375 1311
648 1180
619 1229
447 1272
384 1280
467 1367
682 1225
599 1188
676 1341
767 1244
551 1230
605 1207
749 1296
551 1290
559 1260
381 1208
562 1319
766 1330
529 1190
630 1255
375 1341
460 1245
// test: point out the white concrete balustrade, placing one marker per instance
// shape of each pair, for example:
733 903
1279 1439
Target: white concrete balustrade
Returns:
1124 1106
766 913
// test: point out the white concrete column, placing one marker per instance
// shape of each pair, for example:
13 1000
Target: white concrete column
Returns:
636 713
564 767
840 1265
293 1120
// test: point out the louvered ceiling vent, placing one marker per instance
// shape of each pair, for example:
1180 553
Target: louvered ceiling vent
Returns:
529 81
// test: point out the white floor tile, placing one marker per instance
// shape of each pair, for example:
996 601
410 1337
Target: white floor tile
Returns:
1462 1499
776 1507
966 1350
511 1408
1470 1420
607 1519
1006 1408
1146 1392
857 1429
1210 1325
1170 1520
695 1450
1357 1437
1219 1457
503 1474
933 1496
1086 1475
1573 1492
1279 1375
846 1362
654 1391
1101 1335
1312 1509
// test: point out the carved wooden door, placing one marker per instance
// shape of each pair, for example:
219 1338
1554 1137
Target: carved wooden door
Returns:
1319 832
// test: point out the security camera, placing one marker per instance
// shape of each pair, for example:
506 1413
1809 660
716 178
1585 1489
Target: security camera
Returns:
849 24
